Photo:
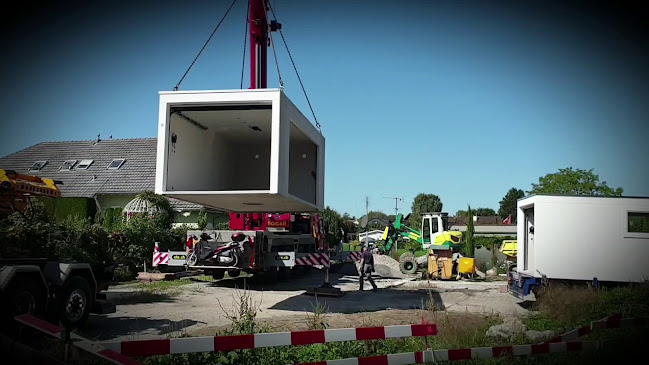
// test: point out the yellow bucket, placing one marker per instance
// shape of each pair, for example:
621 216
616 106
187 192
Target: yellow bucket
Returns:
467 265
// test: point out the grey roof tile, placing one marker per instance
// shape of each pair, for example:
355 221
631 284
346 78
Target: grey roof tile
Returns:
136 174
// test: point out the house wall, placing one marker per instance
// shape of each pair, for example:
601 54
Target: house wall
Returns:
580 238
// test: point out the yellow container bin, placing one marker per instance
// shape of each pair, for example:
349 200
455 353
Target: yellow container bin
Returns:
467 265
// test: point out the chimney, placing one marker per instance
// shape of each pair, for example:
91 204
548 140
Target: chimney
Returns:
98 138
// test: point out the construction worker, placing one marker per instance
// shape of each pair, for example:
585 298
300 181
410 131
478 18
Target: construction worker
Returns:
367 268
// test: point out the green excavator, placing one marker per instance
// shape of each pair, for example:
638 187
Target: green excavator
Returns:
434 233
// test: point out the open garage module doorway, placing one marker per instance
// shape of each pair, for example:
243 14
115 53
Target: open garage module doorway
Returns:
219 147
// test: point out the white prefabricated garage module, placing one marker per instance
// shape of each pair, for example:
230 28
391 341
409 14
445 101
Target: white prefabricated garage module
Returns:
584 237
240 151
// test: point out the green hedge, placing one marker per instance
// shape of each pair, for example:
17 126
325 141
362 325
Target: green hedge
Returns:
71 207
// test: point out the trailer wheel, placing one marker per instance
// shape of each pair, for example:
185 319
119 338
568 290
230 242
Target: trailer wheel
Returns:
218 274
408 263
76 302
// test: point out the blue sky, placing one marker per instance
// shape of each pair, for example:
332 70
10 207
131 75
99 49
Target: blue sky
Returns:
461 100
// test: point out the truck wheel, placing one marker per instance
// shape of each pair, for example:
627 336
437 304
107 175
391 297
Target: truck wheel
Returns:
408 263
233 273
76 302
24 296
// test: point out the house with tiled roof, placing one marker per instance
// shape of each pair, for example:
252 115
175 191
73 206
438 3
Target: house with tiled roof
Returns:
109 173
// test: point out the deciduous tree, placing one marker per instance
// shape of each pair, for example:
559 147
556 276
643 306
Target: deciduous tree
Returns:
508 203
569 181
424 203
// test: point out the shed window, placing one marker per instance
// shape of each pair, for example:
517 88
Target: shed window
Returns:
638 222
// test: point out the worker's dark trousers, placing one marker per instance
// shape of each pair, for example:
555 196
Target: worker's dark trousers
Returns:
366 274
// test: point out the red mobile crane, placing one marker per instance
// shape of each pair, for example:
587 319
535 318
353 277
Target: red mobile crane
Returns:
276 242
259 43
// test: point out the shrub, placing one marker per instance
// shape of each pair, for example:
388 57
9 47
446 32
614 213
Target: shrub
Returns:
201 221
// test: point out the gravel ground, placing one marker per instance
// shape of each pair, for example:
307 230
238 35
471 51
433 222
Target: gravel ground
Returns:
202 306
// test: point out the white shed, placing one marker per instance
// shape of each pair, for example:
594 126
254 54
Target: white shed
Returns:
584 237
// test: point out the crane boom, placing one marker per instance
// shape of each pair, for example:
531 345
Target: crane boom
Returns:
257 18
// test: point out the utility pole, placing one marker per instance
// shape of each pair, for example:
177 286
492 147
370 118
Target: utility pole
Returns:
367 214
396 205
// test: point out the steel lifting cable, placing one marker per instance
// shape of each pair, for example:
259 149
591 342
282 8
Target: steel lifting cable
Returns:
296 72
245 43
205 45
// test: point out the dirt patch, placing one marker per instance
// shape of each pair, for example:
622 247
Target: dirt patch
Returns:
448 324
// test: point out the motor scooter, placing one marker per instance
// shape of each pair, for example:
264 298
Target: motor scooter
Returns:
223 255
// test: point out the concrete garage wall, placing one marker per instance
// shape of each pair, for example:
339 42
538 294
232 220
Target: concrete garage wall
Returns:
302 162
192 162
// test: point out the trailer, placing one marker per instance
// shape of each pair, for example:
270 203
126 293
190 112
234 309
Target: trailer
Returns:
579 239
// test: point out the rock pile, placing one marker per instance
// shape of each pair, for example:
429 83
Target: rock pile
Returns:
513 326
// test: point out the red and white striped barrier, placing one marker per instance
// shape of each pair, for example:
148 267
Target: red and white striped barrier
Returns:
313 259
78 341
159 258
427 356
257 340
356 256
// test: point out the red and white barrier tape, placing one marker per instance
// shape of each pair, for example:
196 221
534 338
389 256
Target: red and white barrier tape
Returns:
614 321
78 341
313 259
241 342
464 354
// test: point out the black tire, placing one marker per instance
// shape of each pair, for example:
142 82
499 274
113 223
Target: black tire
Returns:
218 274
76 302
283 274
233 273
25 295
408 263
